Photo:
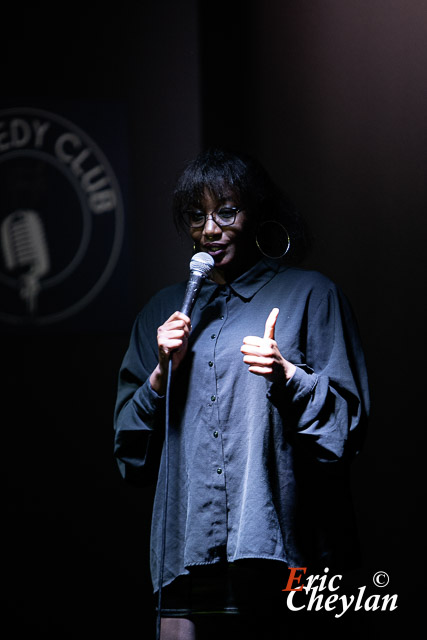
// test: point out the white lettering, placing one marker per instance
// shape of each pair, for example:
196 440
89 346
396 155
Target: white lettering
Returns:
102 201
323 580
39 132
4 135
65 139
76 165
20 133
318 601
387 599
375 605
329 600
99 201
290 604
88 185
315 600
358 604
309 584
330 585
345 606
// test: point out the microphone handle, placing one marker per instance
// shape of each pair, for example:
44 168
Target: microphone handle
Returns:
194 285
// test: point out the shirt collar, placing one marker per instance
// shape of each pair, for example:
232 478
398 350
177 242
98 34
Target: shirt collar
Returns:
246 285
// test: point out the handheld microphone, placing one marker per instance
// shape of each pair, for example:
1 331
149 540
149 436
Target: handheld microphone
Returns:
201 265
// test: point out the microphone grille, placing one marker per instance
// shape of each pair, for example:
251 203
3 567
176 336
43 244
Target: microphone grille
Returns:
202 263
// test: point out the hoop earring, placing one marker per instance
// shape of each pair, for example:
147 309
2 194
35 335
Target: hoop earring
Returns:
271 241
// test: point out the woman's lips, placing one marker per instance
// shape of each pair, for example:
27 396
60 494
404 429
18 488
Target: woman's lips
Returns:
215 249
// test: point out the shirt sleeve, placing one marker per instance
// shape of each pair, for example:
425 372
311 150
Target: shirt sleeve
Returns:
326 402
139 411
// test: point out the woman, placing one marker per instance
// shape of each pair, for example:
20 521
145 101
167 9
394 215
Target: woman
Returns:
267 405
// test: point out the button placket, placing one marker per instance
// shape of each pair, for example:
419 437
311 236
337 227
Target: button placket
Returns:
219 468
211 364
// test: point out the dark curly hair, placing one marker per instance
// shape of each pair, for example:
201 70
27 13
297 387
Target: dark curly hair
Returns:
218 170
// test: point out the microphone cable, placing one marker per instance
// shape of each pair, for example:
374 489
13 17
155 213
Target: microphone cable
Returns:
201 265
165 511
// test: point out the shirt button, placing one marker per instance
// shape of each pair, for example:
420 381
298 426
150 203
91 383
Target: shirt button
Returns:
215 434
213 398
213 336
221 317
210 363
219 471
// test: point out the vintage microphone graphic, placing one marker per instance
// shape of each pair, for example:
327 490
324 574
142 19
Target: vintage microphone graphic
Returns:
24 246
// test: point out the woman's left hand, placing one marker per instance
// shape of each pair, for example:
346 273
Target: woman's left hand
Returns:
263 355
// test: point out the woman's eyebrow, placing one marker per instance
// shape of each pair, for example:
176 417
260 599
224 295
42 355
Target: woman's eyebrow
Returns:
229 196
220 200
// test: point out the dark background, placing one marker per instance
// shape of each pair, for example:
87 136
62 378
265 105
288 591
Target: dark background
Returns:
332 97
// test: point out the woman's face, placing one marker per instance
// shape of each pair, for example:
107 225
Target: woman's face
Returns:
232 246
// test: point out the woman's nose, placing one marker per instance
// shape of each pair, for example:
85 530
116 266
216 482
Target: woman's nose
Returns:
211 227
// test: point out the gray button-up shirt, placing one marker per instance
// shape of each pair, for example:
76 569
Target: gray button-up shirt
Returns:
259 470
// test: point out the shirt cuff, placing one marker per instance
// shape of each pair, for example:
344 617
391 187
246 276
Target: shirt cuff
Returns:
296 389
147 399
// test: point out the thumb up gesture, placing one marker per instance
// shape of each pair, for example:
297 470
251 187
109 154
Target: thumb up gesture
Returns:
263 356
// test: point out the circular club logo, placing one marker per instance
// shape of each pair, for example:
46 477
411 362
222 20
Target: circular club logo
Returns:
61 218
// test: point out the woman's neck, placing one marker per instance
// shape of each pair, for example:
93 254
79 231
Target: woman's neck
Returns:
225 276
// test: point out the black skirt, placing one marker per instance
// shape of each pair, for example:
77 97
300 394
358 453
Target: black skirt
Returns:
246 587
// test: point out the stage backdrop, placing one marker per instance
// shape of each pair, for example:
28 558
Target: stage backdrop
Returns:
63 212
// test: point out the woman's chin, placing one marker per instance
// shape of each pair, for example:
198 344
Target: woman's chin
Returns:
218 256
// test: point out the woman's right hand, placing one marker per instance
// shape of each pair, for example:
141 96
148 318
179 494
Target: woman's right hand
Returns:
172 340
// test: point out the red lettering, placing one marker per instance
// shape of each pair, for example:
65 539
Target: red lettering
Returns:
293 577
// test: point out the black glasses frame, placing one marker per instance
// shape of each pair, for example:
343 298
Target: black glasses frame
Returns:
213 215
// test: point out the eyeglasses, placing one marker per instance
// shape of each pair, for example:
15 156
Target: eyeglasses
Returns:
223 217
